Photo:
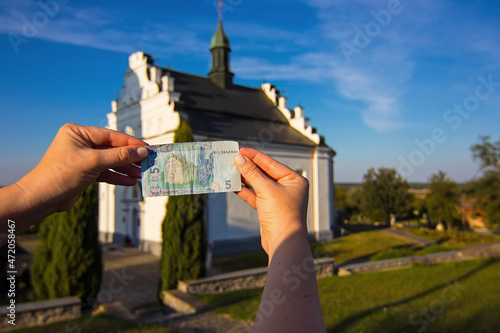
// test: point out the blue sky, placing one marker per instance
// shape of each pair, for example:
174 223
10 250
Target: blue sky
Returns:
379 79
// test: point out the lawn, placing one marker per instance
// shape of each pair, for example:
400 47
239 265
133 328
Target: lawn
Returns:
97 324
354 246
453 237
451 297
366 246
450 240
358 246
411 251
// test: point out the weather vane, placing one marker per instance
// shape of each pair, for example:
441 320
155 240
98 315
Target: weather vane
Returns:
219 5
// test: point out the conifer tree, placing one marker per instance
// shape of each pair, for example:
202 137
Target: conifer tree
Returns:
67 261
184 249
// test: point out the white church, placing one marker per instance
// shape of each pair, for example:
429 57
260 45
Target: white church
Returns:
152 103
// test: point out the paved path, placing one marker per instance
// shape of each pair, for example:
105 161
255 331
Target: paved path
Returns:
422 241
132 278
129 276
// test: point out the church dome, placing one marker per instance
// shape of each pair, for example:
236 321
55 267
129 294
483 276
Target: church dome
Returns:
219 39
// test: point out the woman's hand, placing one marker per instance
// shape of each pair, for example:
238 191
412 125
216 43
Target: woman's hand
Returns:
77 157
279 194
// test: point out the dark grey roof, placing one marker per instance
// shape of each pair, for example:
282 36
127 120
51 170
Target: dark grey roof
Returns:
240 113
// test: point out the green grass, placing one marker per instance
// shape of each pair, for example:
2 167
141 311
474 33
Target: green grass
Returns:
397 301
353 246
358 245
240 304
95 324
366 245
393 253
451 240
453 237
411 251
239 262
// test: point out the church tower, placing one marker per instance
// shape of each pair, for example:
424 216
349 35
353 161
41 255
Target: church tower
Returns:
219 46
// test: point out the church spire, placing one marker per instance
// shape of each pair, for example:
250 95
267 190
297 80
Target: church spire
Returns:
220 73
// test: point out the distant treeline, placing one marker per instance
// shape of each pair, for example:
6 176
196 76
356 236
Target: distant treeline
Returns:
417 186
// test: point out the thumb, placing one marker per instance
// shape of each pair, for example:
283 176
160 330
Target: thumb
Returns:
251 172
121 156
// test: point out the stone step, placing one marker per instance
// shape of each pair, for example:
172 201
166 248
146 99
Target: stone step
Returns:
182 302
116 310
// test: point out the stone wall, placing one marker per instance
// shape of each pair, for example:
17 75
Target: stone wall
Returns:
472 252
245 279
40 313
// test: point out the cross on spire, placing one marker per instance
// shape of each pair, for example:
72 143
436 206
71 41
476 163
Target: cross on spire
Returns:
219 5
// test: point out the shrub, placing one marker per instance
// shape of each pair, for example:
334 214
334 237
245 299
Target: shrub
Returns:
67 261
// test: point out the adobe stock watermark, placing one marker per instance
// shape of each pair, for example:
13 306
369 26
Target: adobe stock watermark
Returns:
363 36
31 26
420 319
453 116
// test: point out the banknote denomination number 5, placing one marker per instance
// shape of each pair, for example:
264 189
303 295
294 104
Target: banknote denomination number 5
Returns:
228 184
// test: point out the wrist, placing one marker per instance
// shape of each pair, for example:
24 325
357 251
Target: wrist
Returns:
291 236
34 197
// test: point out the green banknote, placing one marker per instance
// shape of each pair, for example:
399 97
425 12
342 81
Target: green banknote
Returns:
190 168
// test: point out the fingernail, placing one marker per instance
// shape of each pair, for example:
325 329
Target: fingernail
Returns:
240 159
142 152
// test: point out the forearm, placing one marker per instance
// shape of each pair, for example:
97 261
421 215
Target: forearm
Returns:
14 205
290 302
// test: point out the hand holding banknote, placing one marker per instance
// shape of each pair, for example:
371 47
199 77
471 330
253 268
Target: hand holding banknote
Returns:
81 155
77 157
280 196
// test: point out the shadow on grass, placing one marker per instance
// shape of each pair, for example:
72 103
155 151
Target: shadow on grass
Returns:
343 325
367 257
229 298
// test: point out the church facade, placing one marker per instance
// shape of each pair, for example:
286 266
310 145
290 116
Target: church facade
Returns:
152 103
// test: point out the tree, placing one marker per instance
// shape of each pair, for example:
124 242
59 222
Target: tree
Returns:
341 198
384 192
487 187
487 153
442 200
184 249
67 261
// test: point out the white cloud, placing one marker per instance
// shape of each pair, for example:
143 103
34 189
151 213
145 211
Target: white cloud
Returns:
96 28
377 73
309 67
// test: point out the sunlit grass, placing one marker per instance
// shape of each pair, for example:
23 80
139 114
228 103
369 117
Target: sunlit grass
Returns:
453 237
357 245
417 298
